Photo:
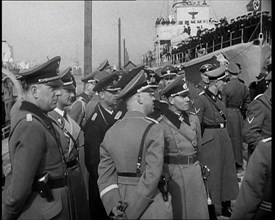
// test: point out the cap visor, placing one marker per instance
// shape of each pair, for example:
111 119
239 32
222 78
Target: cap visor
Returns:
56 82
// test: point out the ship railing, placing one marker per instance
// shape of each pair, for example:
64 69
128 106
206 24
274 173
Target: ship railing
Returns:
201 49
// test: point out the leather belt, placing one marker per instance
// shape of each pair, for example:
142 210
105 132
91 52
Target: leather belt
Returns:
183 160
72 163
220 125
57 183
232 106
129 174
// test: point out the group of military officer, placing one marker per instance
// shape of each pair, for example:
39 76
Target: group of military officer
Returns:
130 148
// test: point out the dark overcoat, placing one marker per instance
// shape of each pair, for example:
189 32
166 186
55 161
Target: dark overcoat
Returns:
70 145
216 151
236 97
255 198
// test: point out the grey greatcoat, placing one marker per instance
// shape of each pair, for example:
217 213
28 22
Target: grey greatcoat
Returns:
189 200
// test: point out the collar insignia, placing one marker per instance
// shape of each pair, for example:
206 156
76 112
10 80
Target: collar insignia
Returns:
250 120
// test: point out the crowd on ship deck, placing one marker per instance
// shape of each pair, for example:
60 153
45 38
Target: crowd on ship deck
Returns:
242 29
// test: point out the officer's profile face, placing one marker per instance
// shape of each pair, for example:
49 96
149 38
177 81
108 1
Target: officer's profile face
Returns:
147 99
46 97
66 97
179 103
89 87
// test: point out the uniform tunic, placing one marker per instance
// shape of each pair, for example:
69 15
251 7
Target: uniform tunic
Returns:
189 200
77 111
236 96
119 153
34 150
70 149
216 151
97 125
257 125
255 198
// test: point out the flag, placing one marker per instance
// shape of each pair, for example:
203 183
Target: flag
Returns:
254 5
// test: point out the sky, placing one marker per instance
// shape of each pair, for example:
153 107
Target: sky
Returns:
41 29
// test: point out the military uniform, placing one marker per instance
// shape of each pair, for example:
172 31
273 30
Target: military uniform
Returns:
70 144
78 109
131 162
97 125
255 198
119 155
35 150
257 125
236 98
186 185
94 131
216 151
71 138
182 137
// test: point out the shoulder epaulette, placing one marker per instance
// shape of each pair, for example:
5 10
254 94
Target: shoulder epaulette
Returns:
201 93
258 96
118 115
163 101
267 139
152 120
93 118
28 117
159 118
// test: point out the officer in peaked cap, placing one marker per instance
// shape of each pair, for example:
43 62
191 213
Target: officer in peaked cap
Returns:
70 136
137 85
237 100
169 71
126 78
181 125
259 86
78 109
134 130
35 155
46 73
107 83
257 125
105 114
67 79
202 85
211 111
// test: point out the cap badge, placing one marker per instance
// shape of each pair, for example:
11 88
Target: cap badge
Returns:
29 117
168 71
184 86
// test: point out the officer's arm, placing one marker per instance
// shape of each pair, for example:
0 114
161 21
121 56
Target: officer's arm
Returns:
147 185
246 99
107 180
77 112
92 140
253 123
253 185
30 147
199 107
